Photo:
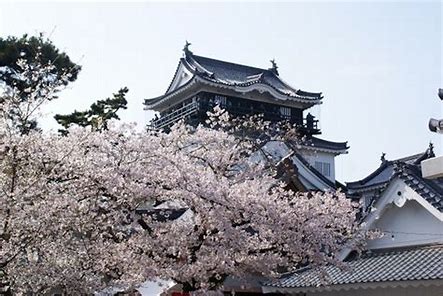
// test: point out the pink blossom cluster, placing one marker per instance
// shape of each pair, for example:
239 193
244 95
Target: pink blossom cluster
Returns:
79 213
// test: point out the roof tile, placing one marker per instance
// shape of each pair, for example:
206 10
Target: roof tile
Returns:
396 265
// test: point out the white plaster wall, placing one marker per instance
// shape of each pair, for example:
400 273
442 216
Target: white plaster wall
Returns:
313 156
432 168
278 150
412 225
183 76
309 180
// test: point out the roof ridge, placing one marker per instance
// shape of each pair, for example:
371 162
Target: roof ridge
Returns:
323 140
398 250
266 72
380 169
236 64
197 65
410 157
386 163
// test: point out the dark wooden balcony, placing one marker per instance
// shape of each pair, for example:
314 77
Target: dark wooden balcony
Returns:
197 110
169 119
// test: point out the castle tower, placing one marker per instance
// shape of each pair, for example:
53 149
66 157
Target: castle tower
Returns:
200 83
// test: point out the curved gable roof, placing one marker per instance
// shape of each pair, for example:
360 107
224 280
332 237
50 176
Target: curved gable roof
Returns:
235 76
407 169
242 75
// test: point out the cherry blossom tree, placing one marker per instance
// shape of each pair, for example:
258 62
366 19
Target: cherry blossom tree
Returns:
31 65
79 213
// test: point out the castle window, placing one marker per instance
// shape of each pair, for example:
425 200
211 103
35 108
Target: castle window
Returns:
220 100
285 111
323 167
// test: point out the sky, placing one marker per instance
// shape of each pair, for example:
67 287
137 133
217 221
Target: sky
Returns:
379 65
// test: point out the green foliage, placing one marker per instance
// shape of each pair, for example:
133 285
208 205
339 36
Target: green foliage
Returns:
98 115
32 71
36 50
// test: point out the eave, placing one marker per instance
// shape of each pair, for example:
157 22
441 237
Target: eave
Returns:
356 185
327 150
161 102
409 267
264 81
354 287
368 188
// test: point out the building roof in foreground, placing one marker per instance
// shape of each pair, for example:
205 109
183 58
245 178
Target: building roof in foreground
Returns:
237 77
407 169
423 263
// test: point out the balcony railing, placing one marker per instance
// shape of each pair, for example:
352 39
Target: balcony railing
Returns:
192 108
305 124
171 118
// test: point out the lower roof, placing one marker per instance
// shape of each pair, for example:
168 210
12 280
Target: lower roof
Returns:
407 169
422 263
321 144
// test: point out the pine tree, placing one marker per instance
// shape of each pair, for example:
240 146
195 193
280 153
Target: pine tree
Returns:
35 49
30 66
98 115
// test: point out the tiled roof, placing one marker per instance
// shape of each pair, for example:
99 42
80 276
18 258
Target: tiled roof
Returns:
430 190
241 75
227 74
407 169
386 170
424 263
325 144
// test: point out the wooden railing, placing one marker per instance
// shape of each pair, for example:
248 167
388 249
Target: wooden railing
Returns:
310 126
171 118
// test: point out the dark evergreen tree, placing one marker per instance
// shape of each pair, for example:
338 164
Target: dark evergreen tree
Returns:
35 50
98 115
32 66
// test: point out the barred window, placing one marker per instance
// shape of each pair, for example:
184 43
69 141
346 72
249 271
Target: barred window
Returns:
220 100
323 167
285 111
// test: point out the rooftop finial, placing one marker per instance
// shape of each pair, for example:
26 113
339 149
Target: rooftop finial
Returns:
186 48
274 67
431 150
383 158
436 125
